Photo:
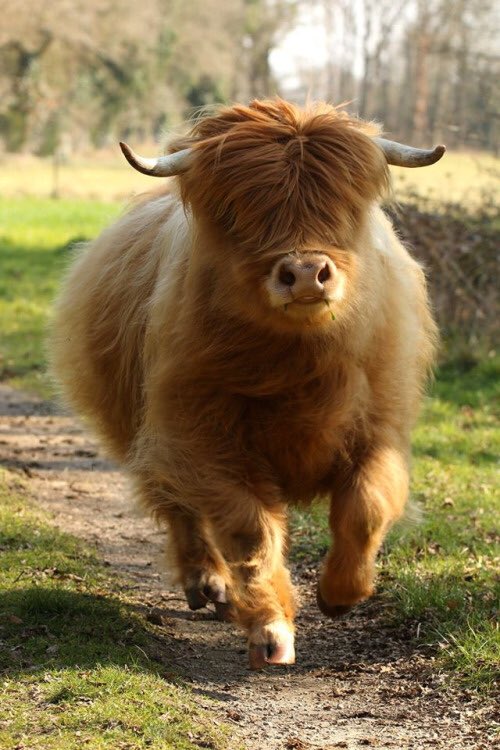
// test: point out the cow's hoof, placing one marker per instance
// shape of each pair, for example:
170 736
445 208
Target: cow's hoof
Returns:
331 610
224 612
207 588
271 644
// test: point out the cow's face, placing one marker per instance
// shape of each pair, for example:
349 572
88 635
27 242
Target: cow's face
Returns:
284 194
306 288
287 193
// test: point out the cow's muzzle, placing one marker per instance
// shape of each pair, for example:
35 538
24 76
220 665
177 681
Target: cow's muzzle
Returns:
303 279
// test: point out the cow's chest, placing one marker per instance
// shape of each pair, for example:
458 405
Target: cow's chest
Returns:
300 435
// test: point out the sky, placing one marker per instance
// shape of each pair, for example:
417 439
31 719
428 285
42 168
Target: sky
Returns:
303 48
308 47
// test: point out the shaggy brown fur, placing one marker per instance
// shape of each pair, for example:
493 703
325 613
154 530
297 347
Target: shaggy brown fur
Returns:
225 407
273 176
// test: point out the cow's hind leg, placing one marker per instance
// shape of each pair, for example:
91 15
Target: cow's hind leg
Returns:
252 541
360 516
201 569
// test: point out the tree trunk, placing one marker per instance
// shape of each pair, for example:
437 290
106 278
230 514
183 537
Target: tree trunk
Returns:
420 112
366 81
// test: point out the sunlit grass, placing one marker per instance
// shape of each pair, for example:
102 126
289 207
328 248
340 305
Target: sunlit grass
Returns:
440 573
470 178
460 177
102 176
443 573
79 663
36 236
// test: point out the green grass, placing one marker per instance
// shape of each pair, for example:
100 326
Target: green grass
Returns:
36 236
79 664
444 572
440 572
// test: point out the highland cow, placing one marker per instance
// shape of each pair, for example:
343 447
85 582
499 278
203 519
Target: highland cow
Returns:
250 337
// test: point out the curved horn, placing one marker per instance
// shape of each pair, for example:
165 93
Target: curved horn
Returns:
164 166
406 156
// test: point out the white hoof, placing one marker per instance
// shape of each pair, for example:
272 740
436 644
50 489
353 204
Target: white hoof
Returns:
271 644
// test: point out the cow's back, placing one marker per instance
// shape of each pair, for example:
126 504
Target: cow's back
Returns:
101 320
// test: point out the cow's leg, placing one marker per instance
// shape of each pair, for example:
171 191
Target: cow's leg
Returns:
203 573
252 540
360 516
201 569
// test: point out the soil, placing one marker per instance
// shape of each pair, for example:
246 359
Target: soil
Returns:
357 682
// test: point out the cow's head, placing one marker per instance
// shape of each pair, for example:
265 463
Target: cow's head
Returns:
280 196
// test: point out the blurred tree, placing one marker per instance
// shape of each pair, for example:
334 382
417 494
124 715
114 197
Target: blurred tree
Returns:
21 58
202 67
75 73
94 60
101 68
261 24
425 68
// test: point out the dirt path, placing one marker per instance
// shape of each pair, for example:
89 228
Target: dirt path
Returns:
356 684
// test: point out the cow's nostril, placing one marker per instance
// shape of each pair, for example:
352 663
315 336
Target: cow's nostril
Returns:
286 277
324 274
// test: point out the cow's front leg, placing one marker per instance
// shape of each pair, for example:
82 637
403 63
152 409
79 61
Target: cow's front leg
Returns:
360 516
252 540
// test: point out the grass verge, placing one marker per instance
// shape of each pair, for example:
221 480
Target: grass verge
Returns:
440 573
79 664
36 237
